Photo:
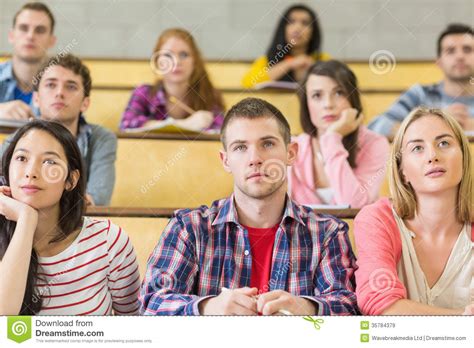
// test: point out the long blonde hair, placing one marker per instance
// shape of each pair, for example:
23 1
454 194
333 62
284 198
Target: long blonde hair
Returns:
403 195
203 95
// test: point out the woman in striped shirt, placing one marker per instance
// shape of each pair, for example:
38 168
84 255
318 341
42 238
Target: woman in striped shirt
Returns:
53 260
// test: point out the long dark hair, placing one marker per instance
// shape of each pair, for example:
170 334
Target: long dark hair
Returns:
277 52
72 203
347 80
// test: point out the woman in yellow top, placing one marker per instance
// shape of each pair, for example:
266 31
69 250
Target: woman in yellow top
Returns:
295 47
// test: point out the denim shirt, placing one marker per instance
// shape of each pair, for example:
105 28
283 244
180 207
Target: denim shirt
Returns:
8 84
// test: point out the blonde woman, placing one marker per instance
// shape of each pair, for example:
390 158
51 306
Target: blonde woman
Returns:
415 250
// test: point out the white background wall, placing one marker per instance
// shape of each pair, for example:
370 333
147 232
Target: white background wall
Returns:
242 29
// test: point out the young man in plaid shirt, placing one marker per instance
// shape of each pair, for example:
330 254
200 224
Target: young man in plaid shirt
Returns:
256 252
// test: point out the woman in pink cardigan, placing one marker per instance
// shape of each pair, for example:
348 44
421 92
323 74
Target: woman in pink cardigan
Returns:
339 160
415 251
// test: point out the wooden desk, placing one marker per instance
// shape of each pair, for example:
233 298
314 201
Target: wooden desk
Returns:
168 212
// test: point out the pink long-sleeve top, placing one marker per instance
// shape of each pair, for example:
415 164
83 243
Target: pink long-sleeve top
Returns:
379 248
357 186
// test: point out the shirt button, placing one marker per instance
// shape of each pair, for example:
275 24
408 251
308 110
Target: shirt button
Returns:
246 253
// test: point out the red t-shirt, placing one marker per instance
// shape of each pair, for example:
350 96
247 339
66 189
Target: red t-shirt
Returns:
261 247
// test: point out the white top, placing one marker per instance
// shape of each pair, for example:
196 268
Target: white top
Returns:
96 274
454 288
326 194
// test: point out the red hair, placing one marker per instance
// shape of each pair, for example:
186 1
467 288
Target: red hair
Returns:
202 94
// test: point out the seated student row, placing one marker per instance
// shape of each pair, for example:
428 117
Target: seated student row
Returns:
189 82
338 156
296 45
331 170
251 292
233 257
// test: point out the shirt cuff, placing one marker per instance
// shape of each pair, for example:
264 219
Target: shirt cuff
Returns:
196 304
316 303
382 125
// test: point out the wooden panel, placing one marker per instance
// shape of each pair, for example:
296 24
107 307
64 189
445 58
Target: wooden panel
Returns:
286 102
169 173
228 74
133 73
120 73
350 222
225 74
168 212
107 106
376 103
401 77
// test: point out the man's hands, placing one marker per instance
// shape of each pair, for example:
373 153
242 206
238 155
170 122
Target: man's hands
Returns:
246 301
280 302
231 302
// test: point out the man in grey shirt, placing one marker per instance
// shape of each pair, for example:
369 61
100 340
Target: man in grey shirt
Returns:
454 94
62 88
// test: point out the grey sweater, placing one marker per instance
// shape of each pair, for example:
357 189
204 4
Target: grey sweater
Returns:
428 95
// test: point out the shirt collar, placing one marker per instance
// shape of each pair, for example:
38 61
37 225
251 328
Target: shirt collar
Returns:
228 213
6 73
83 135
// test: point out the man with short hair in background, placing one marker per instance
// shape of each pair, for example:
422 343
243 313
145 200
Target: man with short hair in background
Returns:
31 36
454 94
